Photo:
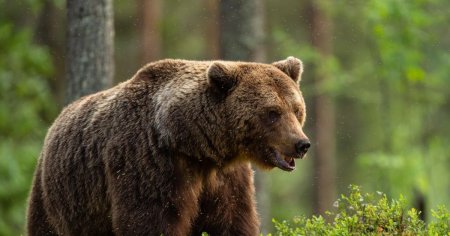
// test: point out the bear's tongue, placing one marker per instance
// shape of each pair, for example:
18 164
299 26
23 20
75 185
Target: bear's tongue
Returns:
286 164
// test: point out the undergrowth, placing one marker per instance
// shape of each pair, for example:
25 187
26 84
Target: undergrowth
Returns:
367 214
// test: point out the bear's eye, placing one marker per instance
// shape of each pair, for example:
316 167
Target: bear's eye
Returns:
298 113
273 116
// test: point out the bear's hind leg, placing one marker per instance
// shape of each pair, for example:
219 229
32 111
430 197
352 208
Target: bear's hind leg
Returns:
37 220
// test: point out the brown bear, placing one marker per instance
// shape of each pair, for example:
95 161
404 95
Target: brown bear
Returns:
168 152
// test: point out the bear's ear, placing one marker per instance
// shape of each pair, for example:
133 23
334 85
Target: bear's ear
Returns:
292 67
221 77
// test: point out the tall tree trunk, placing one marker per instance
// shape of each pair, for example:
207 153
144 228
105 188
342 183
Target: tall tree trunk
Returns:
90 35
212 32
324 166
149 30
241 29
241 37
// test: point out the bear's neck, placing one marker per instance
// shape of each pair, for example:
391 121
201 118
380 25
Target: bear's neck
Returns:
194 124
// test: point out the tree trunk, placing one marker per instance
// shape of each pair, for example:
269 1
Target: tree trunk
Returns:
212 31
241 29
149 30
90 35
324 164
241 37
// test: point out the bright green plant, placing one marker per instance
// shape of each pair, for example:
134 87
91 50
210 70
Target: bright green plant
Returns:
367 214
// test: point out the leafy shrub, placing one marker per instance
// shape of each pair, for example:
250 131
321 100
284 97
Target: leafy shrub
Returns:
367 214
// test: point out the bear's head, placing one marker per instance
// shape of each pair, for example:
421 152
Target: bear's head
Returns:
264 109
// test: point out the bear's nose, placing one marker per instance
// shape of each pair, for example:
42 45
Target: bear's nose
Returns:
302 146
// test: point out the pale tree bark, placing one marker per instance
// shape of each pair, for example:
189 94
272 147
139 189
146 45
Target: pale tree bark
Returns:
90 66
241 37
149 30
241 29
324 163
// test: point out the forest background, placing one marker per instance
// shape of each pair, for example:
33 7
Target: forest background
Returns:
376 83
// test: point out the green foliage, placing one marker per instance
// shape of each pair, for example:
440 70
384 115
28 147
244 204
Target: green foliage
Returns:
26 109
408 99
367 214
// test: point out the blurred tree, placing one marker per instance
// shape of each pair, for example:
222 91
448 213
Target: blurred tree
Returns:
213 31
242 32
149 12
90 35
324 131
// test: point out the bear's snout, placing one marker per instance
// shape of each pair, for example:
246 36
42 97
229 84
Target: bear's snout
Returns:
302 146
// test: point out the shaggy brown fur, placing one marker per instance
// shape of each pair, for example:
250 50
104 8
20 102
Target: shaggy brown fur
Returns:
168 151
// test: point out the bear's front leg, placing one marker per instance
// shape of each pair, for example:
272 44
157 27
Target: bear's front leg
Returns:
129 219
150 202
227 204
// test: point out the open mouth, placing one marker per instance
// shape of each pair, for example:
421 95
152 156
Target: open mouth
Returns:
284 162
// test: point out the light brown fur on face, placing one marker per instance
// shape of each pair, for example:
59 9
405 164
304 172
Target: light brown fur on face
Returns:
265 91
167 152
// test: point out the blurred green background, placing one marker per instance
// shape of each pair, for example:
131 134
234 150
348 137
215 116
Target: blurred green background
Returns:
388 80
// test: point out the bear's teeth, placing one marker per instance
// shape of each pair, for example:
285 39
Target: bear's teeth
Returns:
288 159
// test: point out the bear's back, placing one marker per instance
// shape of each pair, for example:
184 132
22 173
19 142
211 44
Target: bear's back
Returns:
76 143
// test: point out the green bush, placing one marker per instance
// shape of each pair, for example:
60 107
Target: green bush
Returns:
367 214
